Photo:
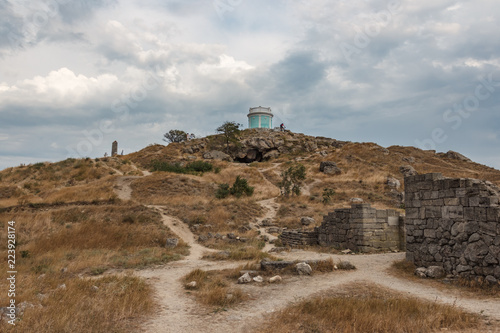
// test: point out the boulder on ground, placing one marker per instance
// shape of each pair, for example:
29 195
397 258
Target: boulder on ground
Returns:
245 278
329 168
303 268
191 285
435 272
216 155
171 243
306 220
393 182
407 170
456 156
275 279
258 279
420 272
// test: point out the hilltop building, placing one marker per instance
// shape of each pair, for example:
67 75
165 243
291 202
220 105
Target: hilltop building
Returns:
260 117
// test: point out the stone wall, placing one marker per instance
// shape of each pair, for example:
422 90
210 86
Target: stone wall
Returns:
299 237
453 223
363 228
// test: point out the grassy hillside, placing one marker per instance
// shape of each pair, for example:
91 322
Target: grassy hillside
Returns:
73 225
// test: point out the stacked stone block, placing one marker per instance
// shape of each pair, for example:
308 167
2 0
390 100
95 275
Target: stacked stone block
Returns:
455 224
362 228
299 237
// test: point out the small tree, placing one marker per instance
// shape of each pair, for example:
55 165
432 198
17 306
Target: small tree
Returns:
241 187
230 130
175 136
291 180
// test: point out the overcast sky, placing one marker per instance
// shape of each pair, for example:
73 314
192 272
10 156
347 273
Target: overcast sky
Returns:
76 75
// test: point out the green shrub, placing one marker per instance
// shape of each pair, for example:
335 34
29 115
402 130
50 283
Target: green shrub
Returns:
241 187
223 191
327 195
291 179
200 166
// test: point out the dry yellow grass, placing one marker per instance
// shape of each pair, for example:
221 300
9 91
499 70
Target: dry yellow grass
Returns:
214 288
367 308
108 304
250 250
65 181
56 246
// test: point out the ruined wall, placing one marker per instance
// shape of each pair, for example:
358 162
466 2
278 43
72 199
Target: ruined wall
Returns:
362 228
299 237
453 223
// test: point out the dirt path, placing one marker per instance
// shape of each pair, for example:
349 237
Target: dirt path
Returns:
271 208
122 187
179 312
306 190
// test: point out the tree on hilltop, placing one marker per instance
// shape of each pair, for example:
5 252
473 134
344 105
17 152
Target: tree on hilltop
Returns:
230 130
175 136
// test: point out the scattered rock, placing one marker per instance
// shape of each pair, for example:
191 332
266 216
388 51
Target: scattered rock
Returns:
407 170
62 286
275 279
231 236
202 238
420 272
303 268
258 279
273 230
271 154
346 265
191 285
329 168
356 200
277 249
409 159
435 272
171 243
216 155
456 156
245 278
305 220
266 223
491 280
393 182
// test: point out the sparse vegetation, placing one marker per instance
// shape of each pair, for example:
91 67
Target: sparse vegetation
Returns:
57 245
328 193
368 308
240 187
213 288
291 179
107 304
197 167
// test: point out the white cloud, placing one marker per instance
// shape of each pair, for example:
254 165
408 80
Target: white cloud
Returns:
422 59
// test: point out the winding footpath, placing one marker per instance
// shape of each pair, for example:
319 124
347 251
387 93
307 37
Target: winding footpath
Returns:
178 311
